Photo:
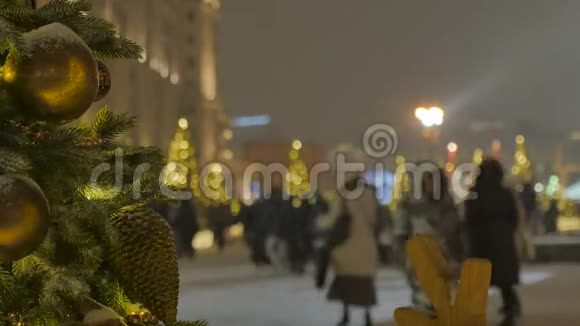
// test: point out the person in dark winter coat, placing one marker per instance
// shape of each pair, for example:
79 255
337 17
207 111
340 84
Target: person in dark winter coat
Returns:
551 217
266 230
254 233
263 221
295 230
220 218
186 226
492 220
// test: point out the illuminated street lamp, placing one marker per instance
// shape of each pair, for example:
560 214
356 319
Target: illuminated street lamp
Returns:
431 119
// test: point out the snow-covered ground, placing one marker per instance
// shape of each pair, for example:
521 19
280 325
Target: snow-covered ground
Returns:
286 301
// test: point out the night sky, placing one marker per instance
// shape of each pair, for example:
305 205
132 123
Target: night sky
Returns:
326 69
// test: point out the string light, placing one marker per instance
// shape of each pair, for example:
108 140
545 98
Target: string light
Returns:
164 71
297 144
183 123
174 78
143 58
228 154
154 64
228 134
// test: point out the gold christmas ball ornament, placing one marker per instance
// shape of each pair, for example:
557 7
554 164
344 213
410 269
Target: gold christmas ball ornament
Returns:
104 81
24 217
58 82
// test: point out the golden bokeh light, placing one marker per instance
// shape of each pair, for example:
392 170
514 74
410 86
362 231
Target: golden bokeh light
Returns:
297 144
183 123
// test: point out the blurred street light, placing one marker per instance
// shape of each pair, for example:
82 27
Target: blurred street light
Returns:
452 147
432 117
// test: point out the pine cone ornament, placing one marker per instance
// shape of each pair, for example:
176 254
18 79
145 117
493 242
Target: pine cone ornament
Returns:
146 261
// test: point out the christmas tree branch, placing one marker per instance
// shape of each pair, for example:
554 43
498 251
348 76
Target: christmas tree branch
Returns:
11 40
59 10
12 161
108 125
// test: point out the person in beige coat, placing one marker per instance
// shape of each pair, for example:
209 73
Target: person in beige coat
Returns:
352 249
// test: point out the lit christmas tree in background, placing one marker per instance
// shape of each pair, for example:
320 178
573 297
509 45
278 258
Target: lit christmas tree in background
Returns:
401 183
522 165
181 157
217 184
298 178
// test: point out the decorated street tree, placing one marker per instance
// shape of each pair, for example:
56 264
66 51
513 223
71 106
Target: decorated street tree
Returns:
78 243
400 183
298 178
522 166
216 185
182 164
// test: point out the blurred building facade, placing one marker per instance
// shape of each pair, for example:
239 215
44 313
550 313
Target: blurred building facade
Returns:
177 76
158 89
277 152
268 153
213 125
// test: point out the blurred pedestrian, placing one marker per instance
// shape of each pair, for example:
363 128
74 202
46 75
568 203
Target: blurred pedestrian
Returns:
551 216
385 240
220 218
275 217
295 231
492 221
186 225
429 211
352 250
254 233
529 203
261 228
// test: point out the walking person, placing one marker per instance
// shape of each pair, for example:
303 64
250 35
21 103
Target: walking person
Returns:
492 221
529 201
429 211
352 251
186 227
295 232
220 218
551 217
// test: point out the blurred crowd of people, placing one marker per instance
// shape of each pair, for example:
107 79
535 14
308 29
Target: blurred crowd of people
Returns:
348 235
